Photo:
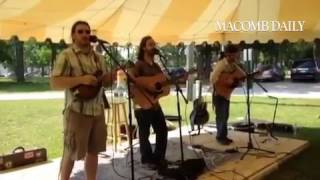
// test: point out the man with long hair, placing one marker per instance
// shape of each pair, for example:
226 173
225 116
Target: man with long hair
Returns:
146 67
84 121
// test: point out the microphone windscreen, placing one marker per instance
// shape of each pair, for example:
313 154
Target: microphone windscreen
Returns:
93 38
156 51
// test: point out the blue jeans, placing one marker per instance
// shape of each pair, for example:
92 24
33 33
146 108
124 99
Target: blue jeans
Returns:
222 115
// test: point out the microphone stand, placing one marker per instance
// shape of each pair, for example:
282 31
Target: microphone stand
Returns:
129 80
250 146
178 91
275 109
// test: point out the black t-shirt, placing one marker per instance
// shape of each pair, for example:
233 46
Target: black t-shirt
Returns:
144 69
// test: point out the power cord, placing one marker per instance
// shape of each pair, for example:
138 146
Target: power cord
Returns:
213 172
185 114
114 168
227 171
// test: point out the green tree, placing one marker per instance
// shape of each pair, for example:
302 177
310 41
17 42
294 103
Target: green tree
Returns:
31 48
204 57
6 54
44 57
270 50
37 55
302 49
115 53
316 48
18 62
295 51
284 53
175 56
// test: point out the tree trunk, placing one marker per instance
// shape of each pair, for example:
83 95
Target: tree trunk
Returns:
19 69
316 49
53 55
42 70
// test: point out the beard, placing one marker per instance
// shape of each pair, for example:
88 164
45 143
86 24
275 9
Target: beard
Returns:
150 52
85 42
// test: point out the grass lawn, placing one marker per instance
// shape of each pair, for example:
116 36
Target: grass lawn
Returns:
31 85
34 123
38 123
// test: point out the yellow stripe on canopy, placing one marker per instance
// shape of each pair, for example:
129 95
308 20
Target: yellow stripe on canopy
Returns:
180 15
204 28
33 22
15 7
134 20
95 14
166 20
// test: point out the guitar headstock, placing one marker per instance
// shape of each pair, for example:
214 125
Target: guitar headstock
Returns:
263 67
180 72
260 70
192 71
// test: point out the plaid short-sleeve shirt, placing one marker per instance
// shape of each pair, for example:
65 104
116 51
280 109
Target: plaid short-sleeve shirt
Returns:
73 62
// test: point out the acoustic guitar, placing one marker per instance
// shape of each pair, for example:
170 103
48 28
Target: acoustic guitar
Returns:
227 81
88 92
199 114
149 89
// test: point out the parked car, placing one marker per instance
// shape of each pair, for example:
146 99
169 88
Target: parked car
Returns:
272 73
305 69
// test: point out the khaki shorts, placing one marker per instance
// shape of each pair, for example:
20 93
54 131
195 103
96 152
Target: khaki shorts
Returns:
83 133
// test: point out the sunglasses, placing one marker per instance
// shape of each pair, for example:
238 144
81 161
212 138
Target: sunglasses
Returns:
83 31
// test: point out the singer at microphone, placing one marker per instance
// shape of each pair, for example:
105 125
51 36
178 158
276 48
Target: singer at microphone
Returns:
148 114
80 70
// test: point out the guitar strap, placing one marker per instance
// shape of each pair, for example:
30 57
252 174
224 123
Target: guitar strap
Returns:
213 96
80 64
83 72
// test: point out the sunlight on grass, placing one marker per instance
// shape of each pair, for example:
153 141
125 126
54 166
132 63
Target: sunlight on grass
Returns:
36 84
39 122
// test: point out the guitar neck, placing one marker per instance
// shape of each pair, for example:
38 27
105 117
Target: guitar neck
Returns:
181 75
172 80
252 74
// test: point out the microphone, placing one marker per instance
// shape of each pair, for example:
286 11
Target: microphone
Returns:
94 39
156 51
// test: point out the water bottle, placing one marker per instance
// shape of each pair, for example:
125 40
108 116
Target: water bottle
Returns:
295 128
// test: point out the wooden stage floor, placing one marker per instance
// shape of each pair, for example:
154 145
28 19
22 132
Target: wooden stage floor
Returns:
226 166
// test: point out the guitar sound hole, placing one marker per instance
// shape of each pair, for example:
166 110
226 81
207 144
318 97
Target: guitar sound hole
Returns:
158 86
